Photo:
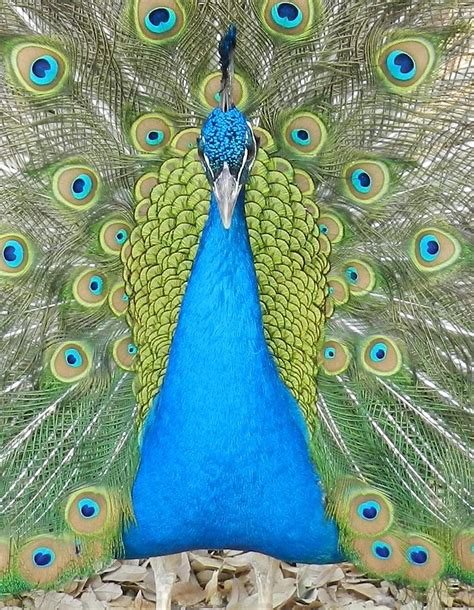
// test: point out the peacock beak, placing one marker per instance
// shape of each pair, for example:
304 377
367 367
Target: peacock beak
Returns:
226 190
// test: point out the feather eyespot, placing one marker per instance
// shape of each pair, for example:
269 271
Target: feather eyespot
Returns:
209 91
382 556
380 355
158 21
150 133
144 185
118 299
288 18
360 277
89 289
338 290
434 249
464 549
40 69
70 362
88 511
76 186
43 559
366 181
370 513
332 227
335 358
424 561
15 255
404 64
186 140
113 235
305 133
124 353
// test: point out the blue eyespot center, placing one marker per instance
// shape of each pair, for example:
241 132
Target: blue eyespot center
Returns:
81 186
13 253
324 228
301 137
352 275
369 510
73 357
418 555
381 550
361 181
121 236
88 508
401 65
378 352
287 15
329 353
96 285
154 137
132 349
160 20
44 70
43 557
429 248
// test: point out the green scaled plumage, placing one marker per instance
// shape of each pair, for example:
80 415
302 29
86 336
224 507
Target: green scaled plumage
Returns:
340 267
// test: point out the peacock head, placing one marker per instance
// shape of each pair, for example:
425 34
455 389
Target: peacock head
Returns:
227 148
227 145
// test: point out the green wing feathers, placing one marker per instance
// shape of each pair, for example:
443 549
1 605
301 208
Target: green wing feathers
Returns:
357 210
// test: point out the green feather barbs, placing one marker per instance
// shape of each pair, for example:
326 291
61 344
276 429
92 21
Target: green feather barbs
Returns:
40 69
158 21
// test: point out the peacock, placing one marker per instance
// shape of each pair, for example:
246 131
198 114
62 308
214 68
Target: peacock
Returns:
235 286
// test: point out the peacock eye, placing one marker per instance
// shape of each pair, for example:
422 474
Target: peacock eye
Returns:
96 285
160 20
382 550
368 510
352 275
287 15
13 253
44 70
40 69
329 353
121 236
118 299
366 181
361 181
154 137
73 358
76 186
43 557
70 362
150 132
401 65
381 356
286 19
404 64
335 358
417 555
113 235
89 289
305 133
429 248
433 249
378 352
331 226
124 352
301 137
324 229
81 186
88 508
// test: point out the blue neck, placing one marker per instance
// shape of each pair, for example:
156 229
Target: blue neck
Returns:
224 458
